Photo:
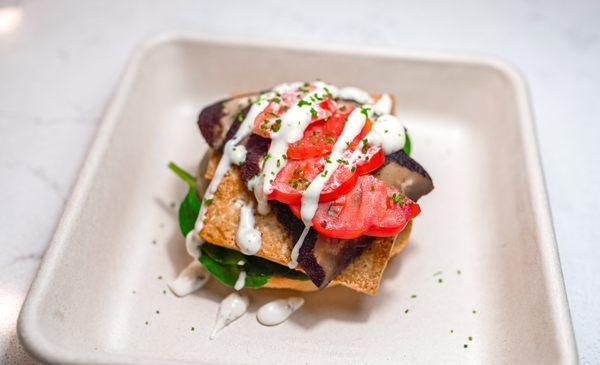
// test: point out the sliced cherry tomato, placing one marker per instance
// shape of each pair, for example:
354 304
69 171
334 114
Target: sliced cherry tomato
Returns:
269 121
296 175
371 208
370 160
319 137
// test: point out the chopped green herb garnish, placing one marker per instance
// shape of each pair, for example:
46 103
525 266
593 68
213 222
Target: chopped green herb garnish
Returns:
353 168
327 92
208 201
465 346
372 187
385 131
329 140
303 90
306 84
164 292
303 102
276 100
413 296
470 338
157 311
440 280
364 110
328 159
324 174
437 273
278 163
160 277
266 157
314 113
451 331
193 328
405 311
458 272
274 114
284 157
395 197
153 242
277 126
474 311
146 323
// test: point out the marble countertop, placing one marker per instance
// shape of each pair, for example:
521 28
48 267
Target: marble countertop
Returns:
60 60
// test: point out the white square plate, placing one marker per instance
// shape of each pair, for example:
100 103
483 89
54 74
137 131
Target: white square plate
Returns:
488 219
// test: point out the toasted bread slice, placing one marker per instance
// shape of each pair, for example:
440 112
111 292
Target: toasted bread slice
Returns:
306 286
221 223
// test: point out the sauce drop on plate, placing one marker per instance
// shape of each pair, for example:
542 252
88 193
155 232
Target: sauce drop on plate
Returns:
232 307
277 311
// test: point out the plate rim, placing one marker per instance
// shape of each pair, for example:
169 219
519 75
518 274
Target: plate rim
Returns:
48 351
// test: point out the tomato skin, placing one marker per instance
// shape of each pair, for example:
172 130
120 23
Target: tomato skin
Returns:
376 159
319 137
294 178
372 208
269 121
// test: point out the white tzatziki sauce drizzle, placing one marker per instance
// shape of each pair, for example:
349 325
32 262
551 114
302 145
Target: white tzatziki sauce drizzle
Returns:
230 309
382 106
277 311
248 237
355 94
192 278
241 281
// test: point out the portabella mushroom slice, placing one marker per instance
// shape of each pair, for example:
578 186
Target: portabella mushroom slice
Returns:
405 174
220 121
256 148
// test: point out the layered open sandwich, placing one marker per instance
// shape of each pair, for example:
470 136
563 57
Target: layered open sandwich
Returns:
311 186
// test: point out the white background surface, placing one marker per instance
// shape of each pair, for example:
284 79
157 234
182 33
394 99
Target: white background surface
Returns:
60 64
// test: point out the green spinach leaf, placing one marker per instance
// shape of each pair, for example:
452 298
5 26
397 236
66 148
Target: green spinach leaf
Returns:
190 205
407 144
